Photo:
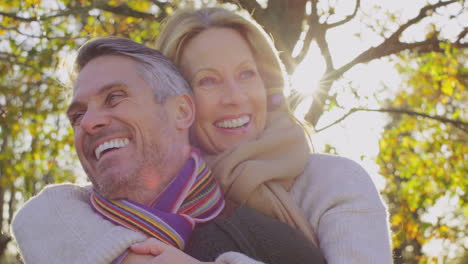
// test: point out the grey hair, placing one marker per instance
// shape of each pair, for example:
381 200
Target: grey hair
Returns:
157 70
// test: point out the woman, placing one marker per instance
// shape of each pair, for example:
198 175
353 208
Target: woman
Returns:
258 153
260 156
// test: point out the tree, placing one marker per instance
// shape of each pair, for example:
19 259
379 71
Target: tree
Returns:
425 160
36 34
308 26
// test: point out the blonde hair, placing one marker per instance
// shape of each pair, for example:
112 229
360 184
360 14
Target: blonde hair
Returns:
185 24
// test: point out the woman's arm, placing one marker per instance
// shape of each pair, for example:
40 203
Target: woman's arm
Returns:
345 210
59 226
156 252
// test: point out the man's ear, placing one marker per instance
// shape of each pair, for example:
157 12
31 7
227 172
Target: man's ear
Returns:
184 111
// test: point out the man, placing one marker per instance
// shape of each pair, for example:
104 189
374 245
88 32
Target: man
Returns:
131 112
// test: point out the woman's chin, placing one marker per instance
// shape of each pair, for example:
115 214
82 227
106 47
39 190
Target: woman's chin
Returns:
224 140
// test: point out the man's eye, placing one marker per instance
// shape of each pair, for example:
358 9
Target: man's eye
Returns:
114 97
75 118
247 74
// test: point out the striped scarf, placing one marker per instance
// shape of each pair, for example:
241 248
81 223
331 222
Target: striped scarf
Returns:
192 197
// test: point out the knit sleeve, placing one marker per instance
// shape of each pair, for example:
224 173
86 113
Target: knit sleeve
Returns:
236 258
59 226
345 210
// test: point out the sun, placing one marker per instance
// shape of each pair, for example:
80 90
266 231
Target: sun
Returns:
306 79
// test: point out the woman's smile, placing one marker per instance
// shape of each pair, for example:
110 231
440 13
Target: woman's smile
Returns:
232 123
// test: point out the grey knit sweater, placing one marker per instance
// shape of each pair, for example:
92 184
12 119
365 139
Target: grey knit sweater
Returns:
249 232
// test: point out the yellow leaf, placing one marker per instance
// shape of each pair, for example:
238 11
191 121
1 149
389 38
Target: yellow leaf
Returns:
397 219
447 87
15 127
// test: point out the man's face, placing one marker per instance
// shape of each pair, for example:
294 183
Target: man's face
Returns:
123 137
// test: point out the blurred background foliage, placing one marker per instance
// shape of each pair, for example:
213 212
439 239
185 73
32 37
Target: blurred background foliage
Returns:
423 149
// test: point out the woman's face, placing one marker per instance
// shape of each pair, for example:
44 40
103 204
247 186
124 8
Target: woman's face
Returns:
230 95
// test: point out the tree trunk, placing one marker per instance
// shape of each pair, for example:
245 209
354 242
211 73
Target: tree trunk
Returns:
4 238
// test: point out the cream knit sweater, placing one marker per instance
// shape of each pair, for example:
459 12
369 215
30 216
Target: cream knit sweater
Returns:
337 196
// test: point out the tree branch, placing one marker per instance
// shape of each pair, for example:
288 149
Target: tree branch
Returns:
323 46
122 9
40 36
11 203
461 35
455 122
125 10
313 23
67 12
388 47
14 16
162 6
348 18
393 45
253 7
318 32
424 12
15 60
246 4
306 45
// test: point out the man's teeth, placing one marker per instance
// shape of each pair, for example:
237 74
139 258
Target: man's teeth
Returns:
114 143
234 123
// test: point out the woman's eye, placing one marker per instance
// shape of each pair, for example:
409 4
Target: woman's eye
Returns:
247 74
206 81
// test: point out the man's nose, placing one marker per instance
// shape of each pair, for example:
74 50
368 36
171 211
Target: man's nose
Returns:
234 92
93 121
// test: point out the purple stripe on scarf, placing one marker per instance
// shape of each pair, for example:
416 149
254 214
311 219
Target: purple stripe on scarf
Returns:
171 194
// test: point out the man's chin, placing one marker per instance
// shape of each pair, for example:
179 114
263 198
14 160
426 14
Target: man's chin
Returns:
110 192
116 187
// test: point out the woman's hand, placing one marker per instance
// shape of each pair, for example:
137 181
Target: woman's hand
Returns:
153 251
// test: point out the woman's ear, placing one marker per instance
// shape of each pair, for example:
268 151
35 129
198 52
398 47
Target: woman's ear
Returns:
184 112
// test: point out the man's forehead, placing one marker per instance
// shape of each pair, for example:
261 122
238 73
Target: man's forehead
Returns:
104 71
97 90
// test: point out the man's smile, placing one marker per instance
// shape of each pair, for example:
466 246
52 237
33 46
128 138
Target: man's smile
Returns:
109 145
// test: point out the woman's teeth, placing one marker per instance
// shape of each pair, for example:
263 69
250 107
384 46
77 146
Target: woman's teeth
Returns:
114 143
234 123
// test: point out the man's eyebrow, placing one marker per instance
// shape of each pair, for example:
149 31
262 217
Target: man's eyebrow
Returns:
78 104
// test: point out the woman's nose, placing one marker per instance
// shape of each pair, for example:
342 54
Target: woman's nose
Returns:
233 92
